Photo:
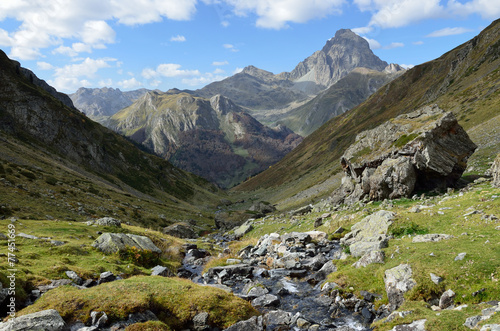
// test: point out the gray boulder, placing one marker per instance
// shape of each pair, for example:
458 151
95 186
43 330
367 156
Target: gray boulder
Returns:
414 326
277 319
110 243
447 299
180 230
243 229
422 150
369 258
369 234
398 281
495 172
267 300
252 324
431 237
45 320
161 271
262 208
109 221
253 290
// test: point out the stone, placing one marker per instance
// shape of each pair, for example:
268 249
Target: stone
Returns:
398 281
436 279
472 322
243 229
161 271
317 235
110 243
302 211
106 277
315 263
395 159
434 237
302 323
108 221
140 317
73 276
200 321
460 256
418 325
277 319
447 299
262 208
180 230
47 320
495 172
369 258
99 318
230 271
296 238
266 300
254 290
27 236
490 327
322 273
252 324
369 234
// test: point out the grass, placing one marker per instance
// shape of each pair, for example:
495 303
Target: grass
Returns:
174 300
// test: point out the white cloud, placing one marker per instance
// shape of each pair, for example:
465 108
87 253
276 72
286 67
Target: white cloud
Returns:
275 14
44 66
362 30
178 38
488 9
420 42
225 24
237 70
168 70
230 47
218 71
204 79
373 43
220 63
448 32
46 24
129 83
394 45
71 77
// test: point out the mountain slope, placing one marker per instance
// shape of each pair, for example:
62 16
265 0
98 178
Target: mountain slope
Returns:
213 138
345 94
45 143
466 80
259 89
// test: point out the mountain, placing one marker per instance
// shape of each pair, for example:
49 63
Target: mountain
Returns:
55 161
259 89
213 138
465 80
343 95
100 103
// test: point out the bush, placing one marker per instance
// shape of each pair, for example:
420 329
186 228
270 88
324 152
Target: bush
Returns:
141 257
51 180
406 229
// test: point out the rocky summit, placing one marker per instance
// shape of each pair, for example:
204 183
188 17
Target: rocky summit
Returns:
422 150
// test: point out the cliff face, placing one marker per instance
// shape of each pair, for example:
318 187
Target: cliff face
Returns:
213 138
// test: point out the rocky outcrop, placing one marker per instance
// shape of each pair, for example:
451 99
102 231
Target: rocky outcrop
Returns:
110 243
398 281
370 234
47 320
495 172
180 230
422 150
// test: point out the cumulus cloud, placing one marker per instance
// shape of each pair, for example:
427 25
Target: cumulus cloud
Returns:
203 79
448 32
178 38
220 63
44 65
275 14
231 47
46 24
129 83
373 43
394 45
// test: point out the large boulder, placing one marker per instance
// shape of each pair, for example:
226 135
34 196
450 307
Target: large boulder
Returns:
47 320
370 234
180 230
495 172
110 243
422 150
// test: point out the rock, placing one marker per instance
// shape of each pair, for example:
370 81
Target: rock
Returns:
200 322
398 281
490 327
253 290
369 234
73 276
369 258
277 319
315 263
447 299
161 271
434 237
302 323
317 235
262 208
436 279
296 238
228 272
495 172
396 158
252 324
27 236
473 321
99 318
318 222
302 211
57 242
180 230
460 256
110 243
414 326
54 284
243 229
266 300
106 277
109 221
145 316
319 276
47 320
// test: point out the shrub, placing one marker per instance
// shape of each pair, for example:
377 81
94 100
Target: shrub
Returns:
141 257
406 229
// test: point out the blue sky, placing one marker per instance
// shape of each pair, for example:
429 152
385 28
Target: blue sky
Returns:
162 44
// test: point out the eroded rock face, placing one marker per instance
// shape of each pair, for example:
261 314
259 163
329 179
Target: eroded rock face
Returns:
422 150
398 281
495 171
49 320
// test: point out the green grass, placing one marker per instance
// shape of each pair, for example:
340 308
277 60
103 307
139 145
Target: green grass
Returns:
175 301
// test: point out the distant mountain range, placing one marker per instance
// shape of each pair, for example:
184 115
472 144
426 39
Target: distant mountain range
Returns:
213 138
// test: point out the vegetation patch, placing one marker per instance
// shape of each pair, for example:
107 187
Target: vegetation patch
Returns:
405 139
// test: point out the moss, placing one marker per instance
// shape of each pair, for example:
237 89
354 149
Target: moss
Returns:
405 139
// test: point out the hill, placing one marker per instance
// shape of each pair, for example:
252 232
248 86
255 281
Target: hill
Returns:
465 81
